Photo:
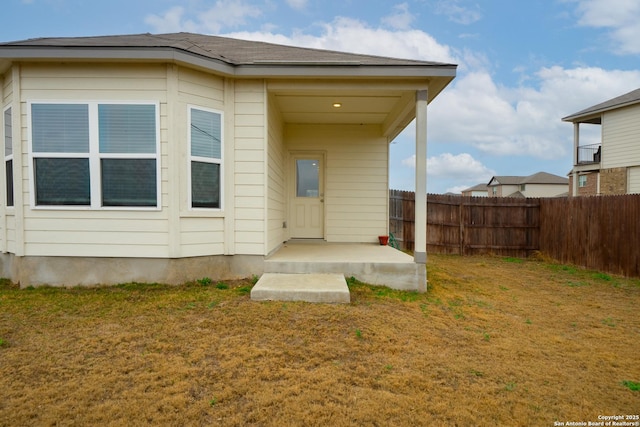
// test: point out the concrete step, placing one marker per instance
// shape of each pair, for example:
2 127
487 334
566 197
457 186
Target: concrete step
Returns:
311 287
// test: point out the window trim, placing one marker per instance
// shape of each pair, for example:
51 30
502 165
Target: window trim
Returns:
94 156
191 159
8 158
582 184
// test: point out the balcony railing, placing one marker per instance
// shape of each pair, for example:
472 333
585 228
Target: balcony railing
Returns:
589 154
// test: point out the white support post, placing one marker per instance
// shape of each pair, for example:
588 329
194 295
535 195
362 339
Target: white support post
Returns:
420 249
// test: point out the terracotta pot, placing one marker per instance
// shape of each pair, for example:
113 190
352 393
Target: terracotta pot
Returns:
384 240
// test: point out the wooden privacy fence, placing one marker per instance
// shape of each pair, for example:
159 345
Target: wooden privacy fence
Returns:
602 233
599 232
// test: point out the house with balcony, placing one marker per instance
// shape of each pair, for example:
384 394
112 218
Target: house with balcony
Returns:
612 165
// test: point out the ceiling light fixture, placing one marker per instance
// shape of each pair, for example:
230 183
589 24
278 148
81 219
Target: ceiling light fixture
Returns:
337 105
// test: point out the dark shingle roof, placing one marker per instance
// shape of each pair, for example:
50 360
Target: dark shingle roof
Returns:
627 99
231 51
506 180
536 178
477 187
544 178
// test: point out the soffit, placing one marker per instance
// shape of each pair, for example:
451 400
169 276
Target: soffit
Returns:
389 103
319 108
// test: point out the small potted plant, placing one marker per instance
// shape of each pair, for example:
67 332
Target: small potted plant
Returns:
384 240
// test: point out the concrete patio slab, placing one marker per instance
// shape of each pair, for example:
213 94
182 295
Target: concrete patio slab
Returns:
327 288
370 263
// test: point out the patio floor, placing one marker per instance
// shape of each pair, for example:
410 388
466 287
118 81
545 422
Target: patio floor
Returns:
370 263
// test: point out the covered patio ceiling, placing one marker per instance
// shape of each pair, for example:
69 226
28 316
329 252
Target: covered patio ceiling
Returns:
389 103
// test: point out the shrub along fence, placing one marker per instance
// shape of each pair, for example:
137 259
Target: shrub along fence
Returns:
602 233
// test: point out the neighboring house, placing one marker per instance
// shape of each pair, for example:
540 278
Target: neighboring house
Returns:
611 166
177 156
541 184
479 190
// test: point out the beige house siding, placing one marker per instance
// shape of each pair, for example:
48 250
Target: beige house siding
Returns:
6 89
202 231
276 191
620 131
7 220
175 230
505 190
356 180
86 232
545 190
250 166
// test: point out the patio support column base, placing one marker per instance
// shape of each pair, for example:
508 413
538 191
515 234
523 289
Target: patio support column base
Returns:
420 257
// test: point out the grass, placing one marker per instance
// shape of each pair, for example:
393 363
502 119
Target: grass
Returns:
493 342
632 385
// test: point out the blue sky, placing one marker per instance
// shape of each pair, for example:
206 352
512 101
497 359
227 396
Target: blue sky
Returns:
522 65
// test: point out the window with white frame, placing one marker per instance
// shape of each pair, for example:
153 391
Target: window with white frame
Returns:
8 155
582 180
205 158
95 154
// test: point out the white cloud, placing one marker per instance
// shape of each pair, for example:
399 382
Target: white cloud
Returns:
459 167
297 4
223 14
352 35
456 13
525 120
170 22
401 19
620 17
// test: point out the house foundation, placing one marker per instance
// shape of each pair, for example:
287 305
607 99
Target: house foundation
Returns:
92 271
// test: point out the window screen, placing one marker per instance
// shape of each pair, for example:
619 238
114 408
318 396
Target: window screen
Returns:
60 181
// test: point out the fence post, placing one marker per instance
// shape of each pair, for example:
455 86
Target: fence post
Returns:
461 219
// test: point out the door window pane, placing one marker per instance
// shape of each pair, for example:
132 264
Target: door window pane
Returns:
307 178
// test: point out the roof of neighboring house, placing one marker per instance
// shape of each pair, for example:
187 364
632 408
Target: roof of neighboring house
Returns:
478 187
517 194
236 54
544 178
585 116
536 178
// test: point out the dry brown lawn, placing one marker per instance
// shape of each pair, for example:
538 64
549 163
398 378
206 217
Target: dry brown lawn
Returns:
494 341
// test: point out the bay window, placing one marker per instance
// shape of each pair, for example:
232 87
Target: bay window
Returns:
95 154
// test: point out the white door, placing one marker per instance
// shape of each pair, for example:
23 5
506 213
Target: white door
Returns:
306 214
